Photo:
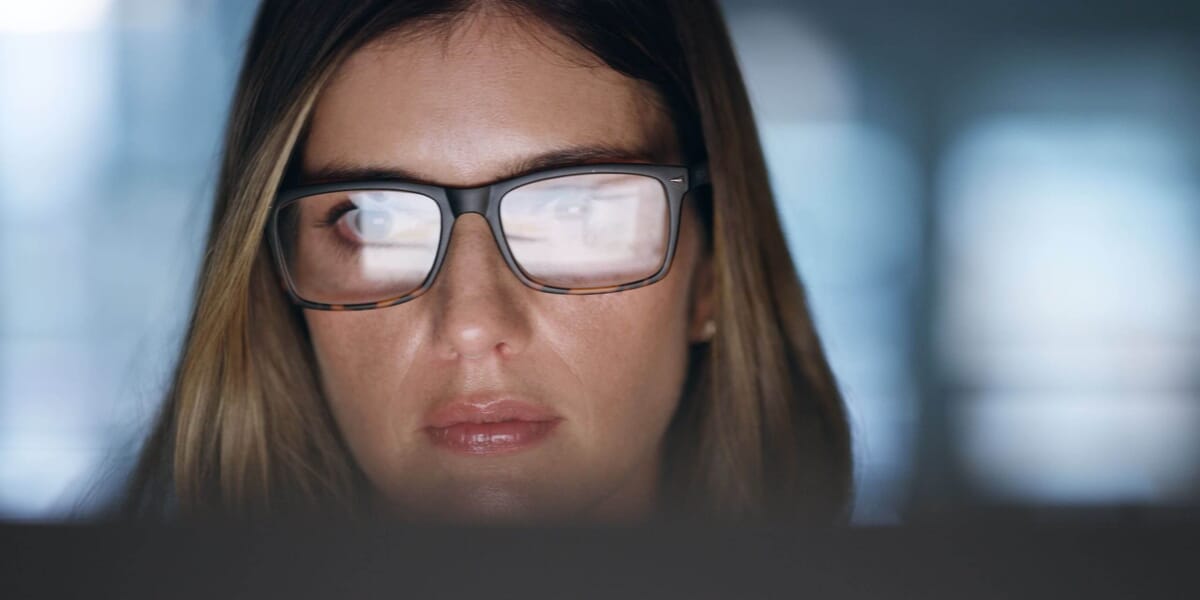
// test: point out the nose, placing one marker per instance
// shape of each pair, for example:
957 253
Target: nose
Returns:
480 310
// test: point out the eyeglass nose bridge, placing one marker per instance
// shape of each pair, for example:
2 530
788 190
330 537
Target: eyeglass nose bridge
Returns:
469 200
478 200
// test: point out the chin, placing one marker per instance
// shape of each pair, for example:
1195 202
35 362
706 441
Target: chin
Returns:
484 505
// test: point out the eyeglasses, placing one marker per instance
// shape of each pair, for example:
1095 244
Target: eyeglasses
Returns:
588 229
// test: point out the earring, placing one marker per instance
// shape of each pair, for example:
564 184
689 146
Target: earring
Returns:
710 330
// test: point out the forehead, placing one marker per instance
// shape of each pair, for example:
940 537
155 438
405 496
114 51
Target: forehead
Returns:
463 106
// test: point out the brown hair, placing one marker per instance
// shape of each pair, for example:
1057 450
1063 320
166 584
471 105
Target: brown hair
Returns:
761 428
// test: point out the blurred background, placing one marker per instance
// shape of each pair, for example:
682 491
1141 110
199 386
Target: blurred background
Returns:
995 205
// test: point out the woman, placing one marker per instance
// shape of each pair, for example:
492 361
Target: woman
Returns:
496 260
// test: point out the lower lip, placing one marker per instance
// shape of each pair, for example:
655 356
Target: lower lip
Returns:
491 438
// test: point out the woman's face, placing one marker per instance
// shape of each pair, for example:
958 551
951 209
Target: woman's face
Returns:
483 398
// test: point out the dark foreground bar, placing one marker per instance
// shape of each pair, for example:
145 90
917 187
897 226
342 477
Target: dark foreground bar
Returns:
327 561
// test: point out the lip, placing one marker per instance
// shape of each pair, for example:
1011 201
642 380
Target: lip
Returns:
489 424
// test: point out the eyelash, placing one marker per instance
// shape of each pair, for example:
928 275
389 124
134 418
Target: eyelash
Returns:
330 220
336 212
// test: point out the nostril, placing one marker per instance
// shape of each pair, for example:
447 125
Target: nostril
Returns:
477 351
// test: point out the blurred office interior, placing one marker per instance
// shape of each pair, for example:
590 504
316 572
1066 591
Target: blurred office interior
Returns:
995 206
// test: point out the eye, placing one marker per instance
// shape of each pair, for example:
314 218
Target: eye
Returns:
385 219
358 224
572 206
562 202
370 225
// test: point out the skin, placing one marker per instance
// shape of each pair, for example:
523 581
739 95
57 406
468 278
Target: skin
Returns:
464 108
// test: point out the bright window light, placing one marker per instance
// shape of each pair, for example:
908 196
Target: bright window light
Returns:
1069 307
49 16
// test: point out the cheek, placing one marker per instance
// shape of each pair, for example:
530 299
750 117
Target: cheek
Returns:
639 352
627 355
363 360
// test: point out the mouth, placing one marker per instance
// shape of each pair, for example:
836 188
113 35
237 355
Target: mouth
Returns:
483 425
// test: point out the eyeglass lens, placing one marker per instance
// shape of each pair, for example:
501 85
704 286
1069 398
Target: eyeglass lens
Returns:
583 231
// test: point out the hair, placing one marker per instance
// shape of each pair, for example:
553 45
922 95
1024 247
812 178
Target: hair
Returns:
761 429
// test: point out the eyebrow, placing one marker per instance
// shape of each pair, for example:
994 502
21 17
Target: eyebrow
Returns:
567 157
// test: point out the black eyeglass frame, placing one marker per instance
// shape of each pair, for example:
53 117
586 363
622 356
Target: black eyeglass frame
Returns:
485 200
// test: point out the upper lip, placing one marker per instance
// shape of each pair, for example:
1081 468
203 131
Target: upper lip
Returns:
487 408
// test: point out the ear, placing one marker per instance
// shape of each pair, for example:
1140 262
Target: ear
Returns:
703 302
